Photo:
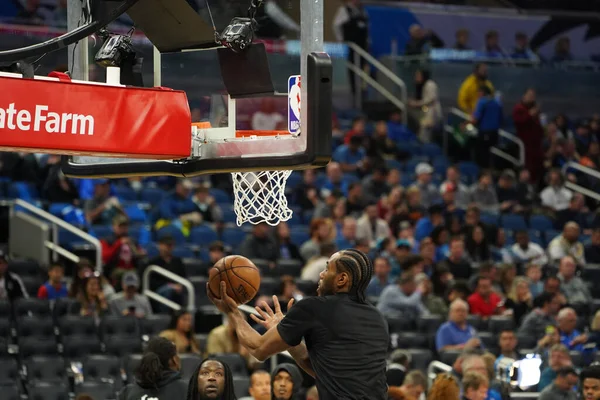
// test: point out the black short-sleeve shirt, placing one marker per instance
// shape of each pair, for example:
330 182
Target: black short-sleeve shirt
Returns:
347 343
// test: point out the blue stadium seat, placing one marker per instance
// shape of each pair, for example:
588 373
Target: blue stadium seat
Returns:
203 235
183 252
220 196
296 219
233 236
489 219
151 250
513 222
298 237
57 208
469 169
551 234
125 193
101 231
152 195
23 190
394 164
350 178
431 150
540 223
172 231
440 164
320 180
294 180
135 213
537 237
229 216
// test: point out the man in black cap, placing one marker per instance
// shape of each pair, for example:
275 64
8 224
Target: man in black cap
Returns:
590 382
286 381
11 285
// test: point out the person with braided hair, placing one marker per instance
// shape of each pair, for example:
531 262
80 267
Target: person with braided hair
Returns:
212 379
337 337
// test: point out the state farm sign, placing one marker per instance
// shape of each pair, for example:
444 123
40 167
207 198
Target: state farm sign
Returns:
45 121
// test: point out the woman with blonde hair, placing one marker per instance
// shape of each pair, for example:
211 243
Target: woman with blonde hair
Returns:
520 300
508 273
445 387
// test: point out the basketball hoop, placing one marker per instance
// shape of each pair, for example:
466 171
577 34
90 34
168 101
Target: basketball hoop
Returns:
260 197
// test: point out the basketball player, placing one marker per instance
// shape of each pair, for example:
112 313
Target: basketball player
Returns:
345 338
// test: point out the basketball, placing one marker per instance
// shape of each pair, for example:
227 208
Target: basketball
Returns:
240 275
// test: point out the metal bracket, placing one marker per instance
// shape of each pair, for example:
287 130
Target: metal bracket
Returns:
198 139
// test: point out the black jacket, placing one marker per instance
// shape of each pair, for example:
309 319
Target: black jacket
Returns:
170 387
13 285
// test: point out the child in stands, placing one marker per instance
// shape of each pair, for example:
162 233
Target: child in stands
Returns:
54 288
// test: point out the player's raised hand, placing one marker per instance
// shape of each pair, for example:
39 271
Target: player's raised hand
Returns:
225 304
270 318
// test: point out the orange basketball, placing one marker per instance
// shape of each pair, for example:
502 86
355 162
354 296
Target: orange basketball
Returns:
240 275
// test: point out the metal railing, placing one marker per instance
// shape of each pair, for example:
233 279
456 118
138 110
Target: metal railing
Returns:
434 368
578 188
191 298
359 53
56 223
519 162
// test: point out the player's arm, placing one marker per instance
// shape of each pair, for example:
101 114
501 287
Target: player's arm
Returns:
259 346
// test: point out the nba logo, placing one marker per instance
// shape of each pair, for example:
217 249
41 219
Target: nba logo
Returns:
294 104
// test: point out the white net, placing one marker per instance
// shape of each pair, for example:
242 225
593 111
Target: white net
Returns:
260 197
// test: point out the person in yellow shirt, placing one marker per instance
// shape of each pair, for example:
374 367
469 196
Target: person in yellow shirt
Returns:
468 94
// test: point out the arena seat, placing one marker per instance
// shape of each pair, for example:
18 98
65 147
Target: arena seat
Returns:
235 361
449 356
23 267
61 308
233 236
10 392
189 363
412 339
130 363
32 284
399 324
5 329
195 267
240 386
48 369
513 222
77 347
71 325
476 322
5 309
97 390
152 325
122 345
113 325
429 323
34 346
420 358
489 340
32 306
498 323
9 371
289 267
100 367
540 223
152 195
203 234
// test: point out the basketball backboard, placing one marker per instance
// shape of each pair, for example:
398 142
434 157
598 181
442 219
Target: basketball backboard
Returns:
224 142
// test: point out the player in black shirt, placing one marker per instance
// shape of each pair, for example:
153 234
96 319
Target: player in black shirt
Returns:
345 338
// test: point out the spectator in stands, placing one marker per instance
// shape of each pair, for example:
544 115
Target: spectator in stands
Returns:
260 386
477 246
468 94
507 192
483 193
552 285
335 180
402 300
519 299
370 227
83 269
306 194
456 262
356 201
316 265
398 132
178 209
267 118
324 208
287 249
348 234
56 187
11 285
92 301
427 104
461 192
351 155
54 288
375 186
591 157
462 40
556 197
562 386
590 382
457 333
212 379
356 130
397 368
31 14
522 50
536 322
488 270
573 287
381 146
206 206
223 339
381 277
120 252
475 386
165 259
260 244
434 304
158 374
525 252
429 193
492 48
526 116
576 212
567 244
286 382
288 290
484 302
562 50
533 272
444 387
507 344
421 41
351 24
412 388
488 118
181 332
567 328
321 231
527 195
592 250
130 302
426 225
506 279
102 208
583 138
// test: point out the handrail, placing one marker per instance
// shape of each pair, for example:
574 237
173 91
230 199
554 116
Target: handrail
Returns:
66 226
434 368
191 307
578 188
377 86
385 71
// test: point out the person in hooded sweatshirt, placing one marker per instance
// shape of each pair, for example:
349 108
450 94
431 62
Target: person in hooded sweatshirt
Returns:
212 380
286 382
158 374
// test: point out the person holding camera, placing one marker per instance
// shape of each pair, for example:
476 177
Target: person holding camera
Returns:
129 301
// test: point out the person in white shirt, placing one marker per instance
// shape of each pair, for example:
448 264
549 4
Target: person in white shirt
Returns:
267 119
556 196
524 251
316 265
567 244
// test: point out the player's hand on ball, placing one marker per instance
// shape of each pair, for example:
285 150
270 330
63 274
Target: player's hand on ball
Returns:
225 304
270 318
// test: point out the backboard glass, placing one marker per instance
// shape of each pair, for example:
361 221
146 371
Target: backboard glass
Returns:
225 146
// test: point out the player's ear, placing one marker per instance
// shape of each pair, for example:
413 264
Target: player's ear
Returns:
343 279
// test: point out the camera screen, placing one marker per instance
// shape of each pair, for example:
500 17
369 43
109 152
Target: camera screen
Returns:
527 371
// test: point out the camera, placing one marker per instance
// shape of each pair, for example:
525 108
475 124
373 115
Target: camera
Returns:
523 374
238 35
114 51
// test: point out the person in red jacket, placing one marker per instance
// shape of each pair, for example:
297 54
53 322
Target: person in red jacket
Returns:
484 302
526 116
120 253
